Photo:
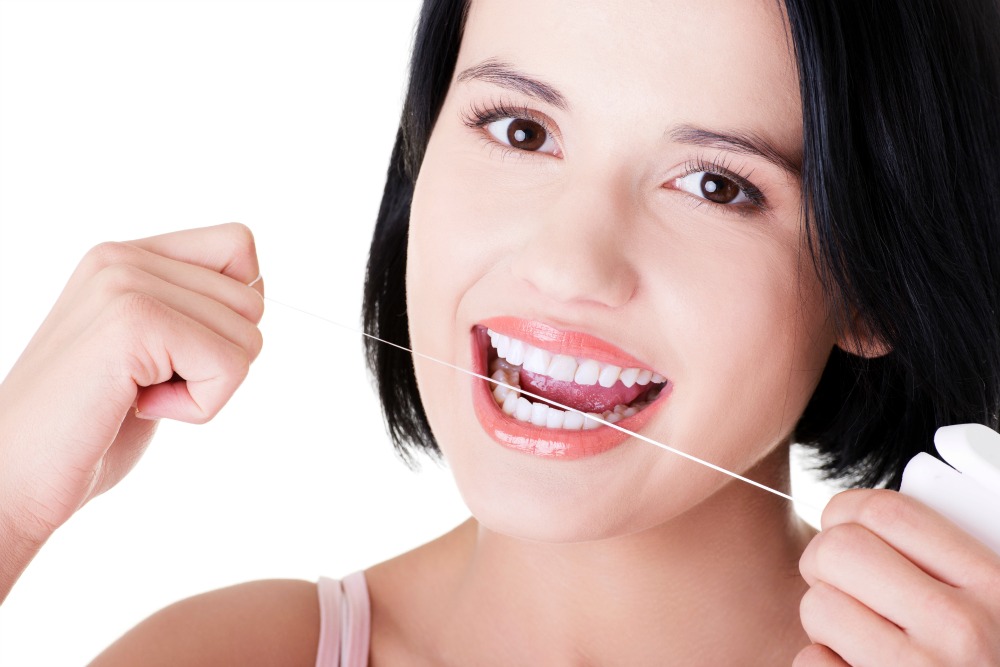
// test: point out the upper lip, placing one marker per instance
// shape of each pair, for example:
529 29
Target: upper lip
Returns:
558 341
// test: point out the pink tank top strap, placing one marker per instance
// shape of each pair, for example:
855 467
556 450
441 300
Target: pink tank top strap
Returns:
345 621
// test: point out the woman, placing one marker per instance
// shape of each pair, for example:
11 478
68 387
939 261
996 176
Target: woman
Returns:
617 186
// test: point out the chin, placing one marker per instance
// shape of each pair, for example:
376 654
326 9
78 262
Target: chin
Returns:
553 509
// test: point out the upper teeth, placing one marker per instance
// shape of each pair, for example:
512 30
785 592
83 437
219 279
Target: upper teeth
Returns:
566 368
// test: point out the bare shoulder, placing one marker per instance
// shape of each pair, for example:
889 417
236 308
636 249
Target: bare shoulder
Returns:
268 622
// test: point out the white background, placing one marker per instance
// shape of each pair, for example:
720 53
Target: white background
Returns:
120 120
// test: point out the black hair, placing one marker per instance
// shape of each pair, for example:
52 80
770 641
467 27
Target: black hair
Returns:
901 149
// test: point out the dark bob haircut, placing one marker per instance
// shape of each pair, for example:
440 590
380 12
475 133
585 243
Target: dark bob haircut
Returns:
901 155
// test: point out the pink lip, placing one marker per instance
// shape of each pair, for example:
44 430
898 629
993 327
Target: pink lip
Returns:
545 442
572 343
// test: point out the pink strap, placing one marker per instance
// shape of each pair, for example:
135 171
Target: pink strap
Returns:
345 621
328 653
357 629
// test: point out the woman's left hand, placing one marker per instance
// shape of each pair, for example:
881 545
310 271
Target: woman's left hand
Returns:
892 582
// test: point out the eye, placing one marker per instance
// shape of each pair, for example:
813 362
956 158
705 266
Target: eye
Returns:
712 187
523 134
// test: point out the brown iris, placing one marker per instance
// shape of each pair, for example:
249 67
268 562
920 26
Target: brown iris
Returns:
526 135
719 189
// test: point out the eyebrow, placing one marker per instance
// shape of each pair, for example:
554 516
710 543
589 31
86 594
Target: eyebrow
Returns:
746 143
502 74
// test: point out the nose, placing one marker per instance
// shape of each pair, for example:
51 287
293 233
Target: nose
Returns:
578 251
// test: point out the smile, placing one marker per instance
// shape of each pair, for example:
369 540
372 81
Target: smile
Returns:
601 390
574 369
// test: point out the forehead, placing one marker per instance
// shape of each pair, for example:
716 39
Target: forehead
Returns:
725 63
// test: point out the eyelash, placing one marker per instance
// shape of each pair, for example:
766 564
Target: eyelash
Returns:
757 203
479 116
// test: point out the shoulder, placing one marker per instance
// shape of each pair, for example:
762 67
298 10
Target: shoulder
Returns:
266 622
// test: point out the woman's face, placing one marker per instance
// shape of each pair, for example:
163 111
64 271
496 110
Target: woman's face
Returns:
645 194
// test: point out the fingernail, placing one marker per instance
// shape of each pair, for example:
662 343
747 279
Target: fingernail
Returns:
144 415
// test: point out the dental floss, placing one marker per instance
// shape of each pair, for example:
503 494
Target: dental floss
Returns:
551 402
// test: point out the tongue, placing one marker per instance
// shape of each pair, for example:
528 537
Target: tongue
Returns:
587 398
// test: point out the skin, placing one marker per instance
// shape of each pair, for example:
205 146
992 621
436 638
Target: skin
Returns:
633 557
599 237
132 315
601 233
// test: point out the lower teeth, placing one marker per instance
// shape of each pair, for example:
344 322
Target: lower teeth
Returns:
542 414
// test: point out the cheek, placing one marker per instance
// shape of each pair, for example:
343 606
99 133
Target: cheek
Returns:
758 343
453 229
744 337
465 219
449 247
442 244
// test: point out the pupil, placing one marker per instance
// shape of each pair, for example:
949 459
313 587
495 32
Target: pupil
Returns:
719 189
525 134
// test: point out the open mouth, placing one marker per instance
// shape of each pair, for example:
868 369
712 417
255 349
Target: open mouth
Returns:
599 389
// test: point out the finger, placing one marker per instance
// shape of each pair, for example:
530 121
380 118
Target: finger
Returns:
218 262
850 630
118 281
854 560
112 269
212 366
124 279
228 249
76 404
817 655
920 534
236 294
258 284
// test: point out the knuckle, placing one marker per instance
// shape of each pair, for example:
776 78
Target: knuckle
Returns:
813 604
256 308
968 637
991 578
241 250
813 655
134 309
107 254
240 234
205 416
912 655
883 509
807 561
256 343
835 544
242 365
942 604
984 574
235 364
808 608
115 279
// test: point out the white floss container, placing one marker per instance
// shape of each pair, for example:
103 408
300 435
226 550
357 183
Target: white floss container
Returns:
968 493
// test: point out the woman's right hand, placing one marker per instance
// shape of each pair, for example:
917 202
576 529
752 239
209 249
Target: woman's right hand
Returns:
160 327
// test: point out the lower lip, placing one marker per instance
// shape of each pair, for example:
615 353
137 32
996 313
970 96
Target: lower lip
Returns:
547 443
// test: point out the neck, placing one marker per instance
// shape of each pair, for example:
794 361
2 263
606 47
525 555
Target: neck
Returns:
711 586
